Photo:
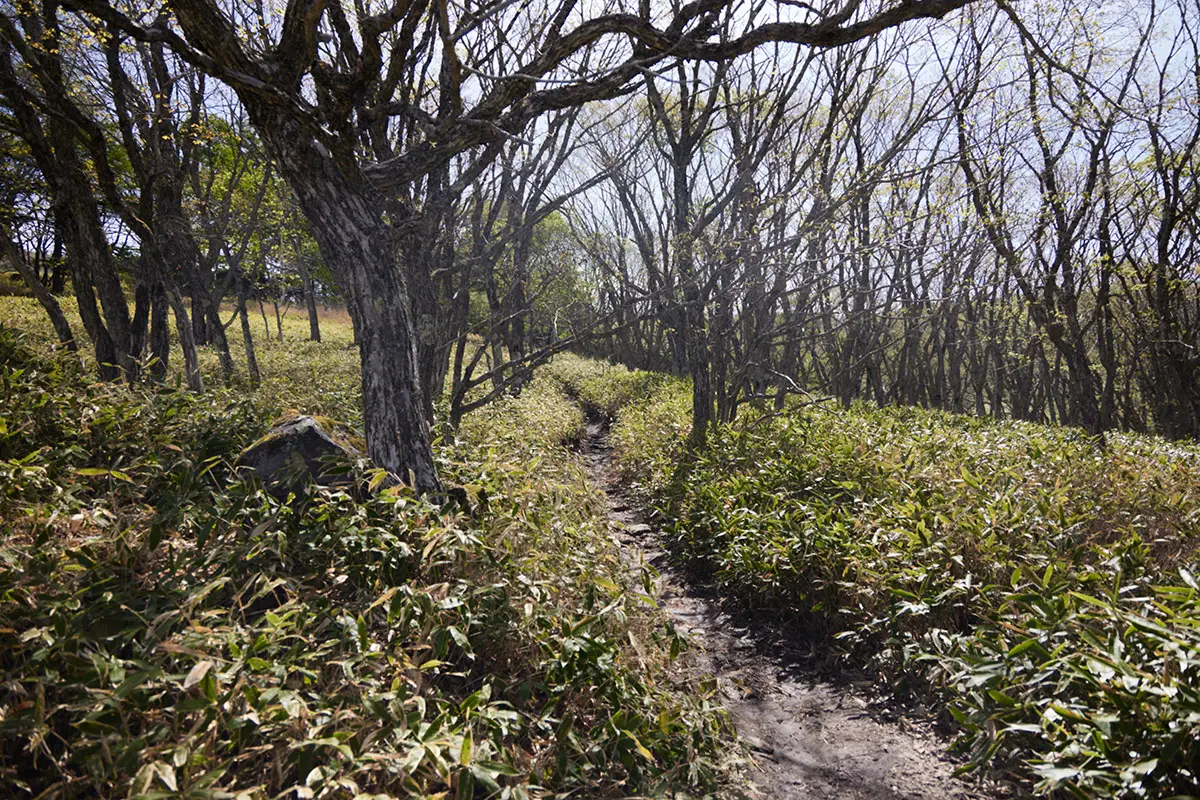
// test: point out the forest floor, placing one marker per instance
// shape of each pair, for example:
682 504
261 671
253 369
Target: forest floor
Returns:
811 737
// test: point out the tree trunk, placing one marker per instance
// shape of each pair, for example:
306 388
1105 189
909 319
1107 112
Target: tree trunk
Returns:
216 335
177 250
187 341
428 270
89 256
62 328
695 342
140 325
162 249
199 314
310 300
352 310
58 270
262 310
247 335
93 271
347 220
160 334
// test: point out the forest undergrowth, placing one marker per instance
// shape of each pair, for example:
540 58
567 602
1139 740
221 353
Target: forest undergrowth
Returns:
169 630
1036 585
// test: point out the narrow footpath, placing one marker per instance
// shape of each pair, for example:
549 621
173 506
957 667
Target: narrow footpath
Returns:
810 739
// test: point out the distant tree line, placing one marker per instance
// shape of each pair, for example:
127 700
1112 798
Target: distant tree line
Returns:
999 217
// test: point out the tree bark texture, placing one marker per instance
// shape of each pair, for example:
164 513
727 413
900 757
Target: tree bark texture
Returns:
357 244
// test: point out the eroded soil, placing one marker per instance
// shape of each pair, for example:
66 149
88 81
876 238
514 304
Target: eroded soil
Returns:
810 738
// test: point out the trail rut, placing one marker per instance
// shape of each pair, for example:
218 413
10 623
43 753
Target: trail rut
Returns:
811 739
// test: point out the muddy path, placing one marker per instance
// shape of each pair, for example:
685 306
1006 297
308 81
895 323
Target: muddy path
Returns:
810 738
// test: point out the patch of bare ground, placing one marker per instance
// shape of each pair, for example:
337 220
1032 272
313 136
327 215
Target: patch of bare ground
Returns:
810 737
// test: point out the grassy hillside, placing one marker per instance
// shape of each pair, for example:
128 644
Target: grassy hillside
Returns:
1037 585
167 630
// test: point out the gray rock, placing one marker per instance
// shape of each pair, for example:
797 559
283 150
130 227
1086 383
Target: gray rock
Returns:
301 449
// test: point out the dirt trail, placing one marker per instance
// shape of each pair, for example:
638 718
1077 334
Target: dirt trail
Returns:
811 739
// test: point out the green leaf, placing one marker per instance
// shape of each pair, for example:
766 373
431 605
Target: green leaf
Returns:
485 777
196 674
642 751
166 774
